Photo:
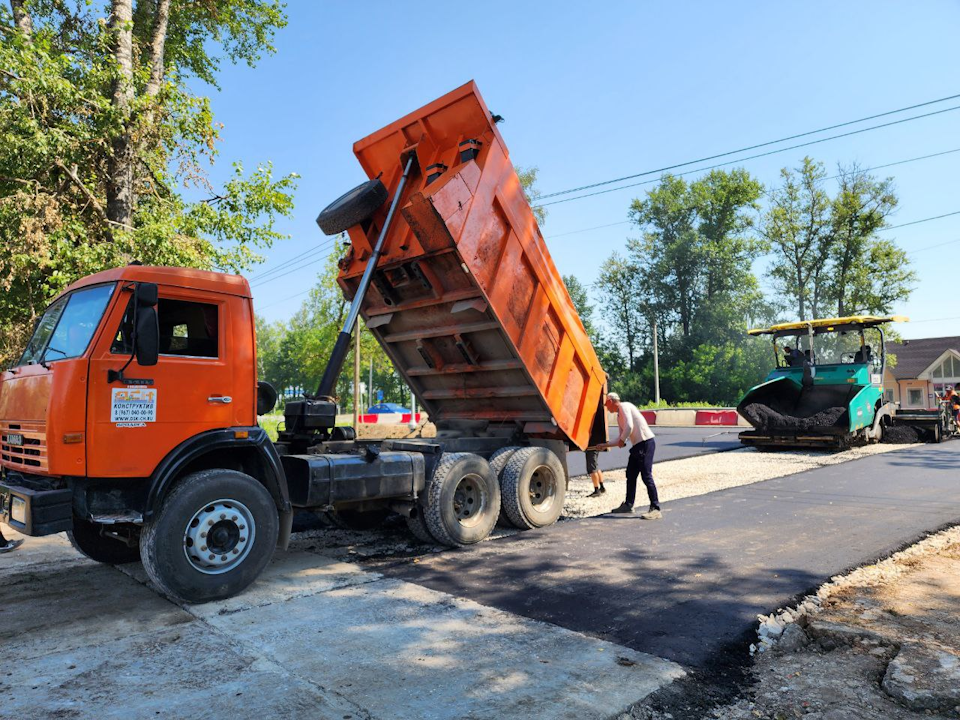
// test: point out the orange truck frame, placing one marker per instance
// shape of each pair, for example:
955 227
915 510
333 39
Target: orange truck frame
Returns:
130 421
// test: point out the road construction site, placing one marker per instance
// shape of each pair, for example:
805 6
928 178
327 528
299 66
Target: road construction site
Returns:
596 616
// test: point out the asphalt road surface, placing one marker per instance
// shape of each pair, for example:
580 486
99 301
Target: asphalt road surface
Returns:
673 443
688 588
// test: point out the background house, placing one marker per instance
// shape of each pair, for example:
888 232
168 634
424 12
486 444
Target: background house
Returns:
923 370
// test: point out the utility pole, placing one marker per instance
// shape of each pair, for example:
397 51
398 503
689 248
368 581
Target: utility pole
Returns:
356 377
370 386
656 365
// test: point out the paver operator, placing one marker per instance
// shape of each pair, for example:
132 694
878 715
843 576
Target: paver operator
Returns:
634 427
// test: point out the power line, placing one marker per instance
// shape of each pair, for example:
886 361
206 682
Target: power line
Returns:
296 269
749 157
917 222
834 177
759 145
277 302
934 247
292 261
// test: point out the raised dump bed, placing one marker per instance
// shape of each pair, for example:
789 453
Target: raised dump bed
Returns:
466 300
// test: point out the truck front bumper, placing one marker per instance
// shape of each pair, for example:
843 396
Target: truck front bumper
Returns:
34 507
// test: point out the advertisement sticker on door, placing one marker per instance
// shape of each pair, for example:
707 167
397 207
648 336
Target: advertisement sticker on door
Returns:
133 406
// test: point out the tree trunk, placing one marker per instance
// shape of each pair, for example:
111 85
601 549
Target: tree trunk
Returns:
21 17
120 190
157 44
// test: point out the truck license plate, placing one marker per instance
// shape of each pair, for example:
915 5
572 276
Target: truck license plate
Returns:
15 439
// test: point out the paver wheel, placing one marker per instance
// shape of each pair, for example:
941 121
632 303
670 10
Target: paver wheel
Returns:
352 207
532 486
462 500
86 539
213 535
498 461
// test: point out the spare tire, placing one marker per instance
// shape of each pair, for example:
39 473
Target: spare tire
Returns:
352 207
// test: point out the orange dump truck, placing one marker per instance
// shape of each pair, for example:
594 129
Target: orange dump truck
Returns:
130 421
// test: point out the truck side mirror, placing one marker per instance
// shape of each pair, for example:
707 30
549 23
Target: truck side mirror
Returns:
148 326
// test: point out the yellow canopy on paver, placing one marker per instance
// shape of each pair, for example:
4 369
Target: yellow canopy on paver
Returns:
829 323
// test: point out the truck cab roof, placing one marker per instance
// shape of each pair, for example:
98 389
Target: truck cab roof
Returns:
176 276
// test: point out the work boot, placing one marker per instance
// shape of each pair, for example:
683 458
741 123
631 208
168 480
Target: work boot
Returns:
597 492
602 488
652 514
624 508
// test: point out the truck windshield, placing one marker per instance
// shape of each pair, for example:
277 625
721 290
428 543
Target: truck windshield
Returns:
67 326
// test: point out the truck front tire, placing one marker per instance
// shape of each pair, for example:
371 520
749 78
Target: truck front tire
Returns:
462 500
87 540
532 487
213 535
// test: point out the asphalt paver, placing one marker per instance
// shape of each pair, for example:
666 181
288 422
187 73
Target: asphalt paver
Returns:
689 587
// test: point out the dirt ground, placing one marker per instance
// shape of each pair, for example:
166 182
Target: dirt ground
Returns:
882 643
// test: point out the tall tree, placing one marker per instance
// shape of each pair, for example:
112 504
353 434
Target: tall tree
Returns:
101 132
581 301
859 259
528 181
797 225
618 287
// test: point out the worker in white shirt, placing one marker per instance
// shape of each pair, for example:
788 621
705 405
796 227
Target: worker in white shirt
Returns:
634 428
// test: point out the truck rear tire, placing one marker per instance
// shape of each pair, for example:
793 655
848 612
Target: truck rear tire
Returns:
213 535
462 500
87 540
532 488
498 461
418 527
352 207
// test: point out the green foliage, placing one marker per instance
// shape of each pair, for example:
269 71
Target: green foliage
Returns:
60 124
828 258
295 353
528 181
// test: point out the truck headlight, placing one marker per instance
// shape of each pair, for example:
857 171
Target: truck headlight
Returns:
18 510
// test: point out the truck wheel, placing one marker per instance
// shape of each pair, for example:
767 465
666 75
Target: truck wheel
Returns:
463 500
213 535
87 540
418 526
533 486
498 461
352 207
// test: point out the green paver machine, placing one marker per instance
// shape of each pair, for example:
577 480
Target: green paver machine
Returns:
826 390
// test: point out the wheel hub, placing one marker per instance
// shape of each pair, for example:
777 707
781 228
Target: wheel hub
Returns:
543 488
469 500
219 536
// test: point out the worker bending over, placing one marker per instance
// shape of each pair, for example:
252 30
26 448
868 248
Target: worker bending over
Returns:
634 427
593 470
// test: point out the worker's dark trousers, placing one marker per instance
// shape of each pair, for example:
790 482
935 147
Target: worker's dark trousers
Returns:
640 463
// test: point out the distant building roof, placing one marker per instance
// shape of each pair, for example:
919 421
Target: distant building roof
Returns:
915 356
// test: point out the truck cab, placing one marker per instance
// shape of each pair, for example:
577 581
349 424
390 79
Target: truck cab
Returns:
133 378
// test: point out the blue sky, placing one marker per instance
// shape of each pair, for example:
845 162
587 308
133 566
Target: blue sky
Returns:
597 91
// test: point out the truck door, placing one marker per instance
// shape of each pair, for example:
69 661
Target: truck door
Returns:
131 426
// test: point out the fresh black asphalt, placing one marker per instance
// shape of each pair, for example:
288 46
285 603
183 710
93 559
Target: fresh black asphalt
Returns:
673 443
689 587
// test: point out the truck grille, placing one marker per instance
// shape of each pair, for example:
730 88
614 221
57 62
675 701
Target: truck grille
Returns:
32 453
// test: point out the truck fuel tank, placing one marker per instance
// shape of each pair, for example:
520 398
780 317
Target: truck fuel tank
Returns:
320 480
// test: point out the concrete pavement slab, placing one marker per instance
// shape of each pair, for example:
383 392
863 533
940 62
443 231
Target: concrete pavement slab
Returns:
184 672
403 651
37 552
61 608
